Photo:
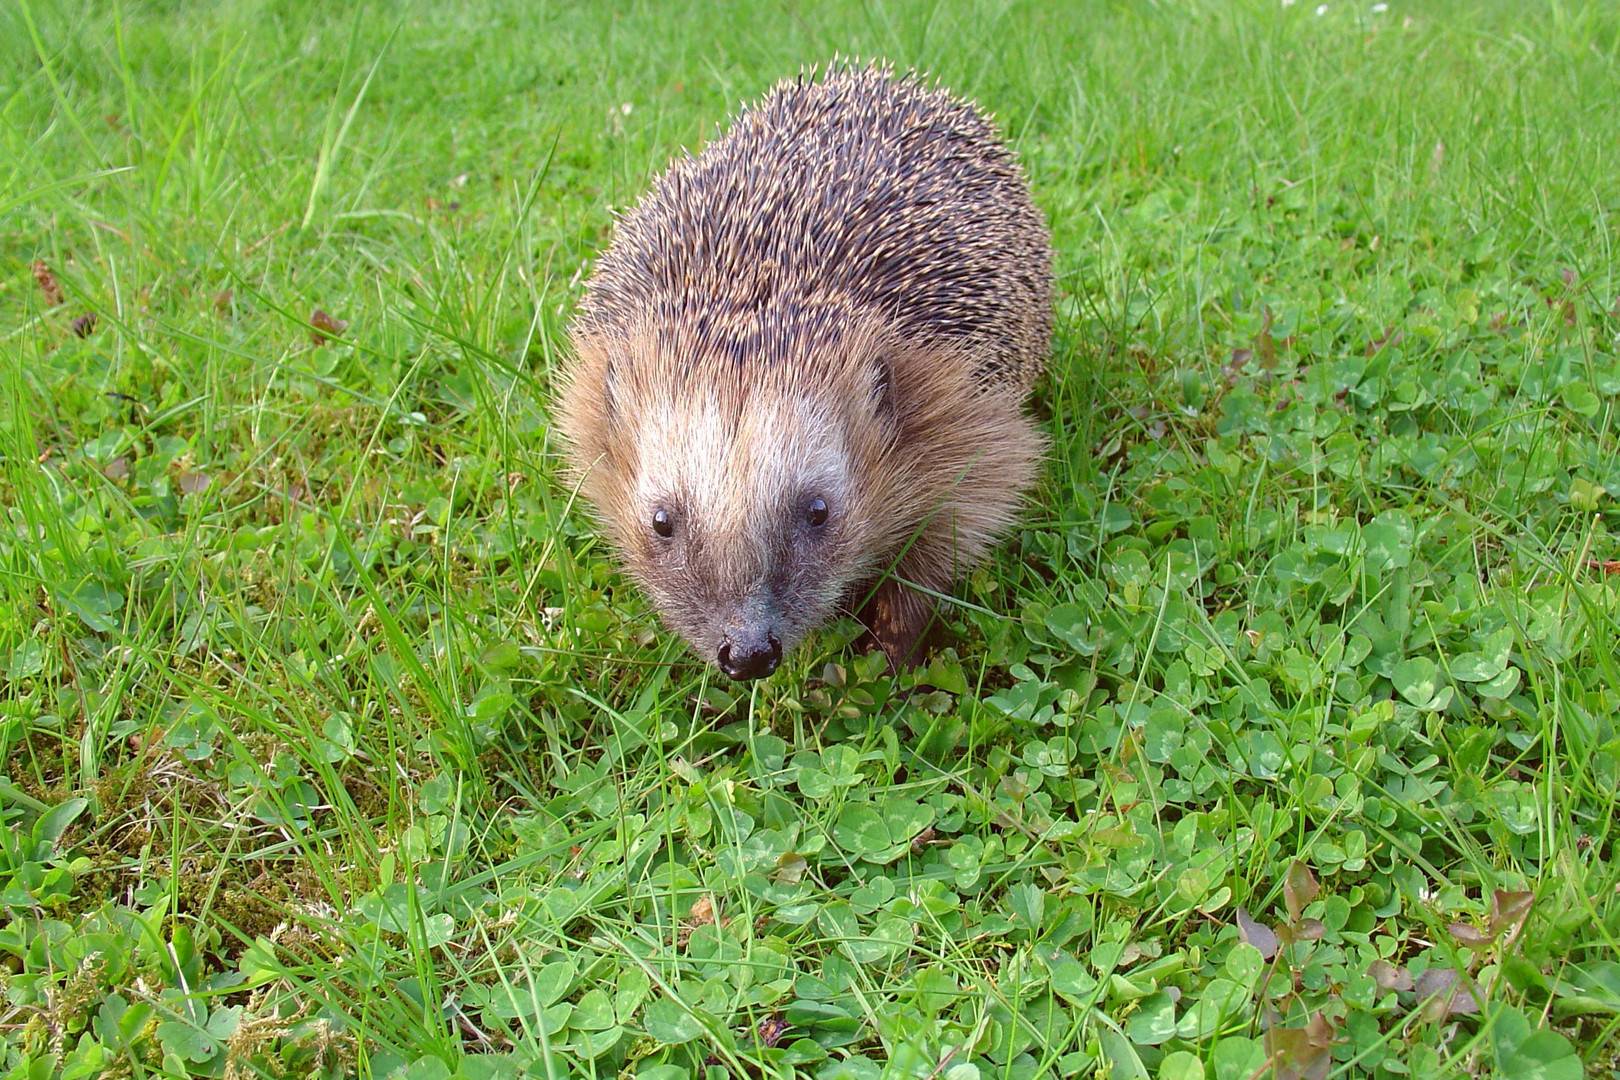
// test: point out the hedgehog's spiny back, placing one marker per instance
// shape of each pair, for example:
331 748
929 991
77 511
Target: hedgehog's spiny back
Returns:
861 189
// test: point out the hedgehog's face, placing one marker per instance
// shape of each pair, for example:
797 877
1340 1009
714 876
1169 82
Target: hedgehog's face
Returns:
745 520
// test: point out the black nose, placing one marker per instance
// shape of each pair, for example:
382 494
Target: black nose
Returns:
746 657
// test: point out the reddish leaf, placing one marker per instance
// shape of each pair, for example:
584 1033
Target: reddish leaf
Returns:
1388 976
1299 889
1609 566
325 327
1310 930
1301 1053
1264 345
1391 337
1443 995
84 325
194 483
1436 980
1470 936
1510 909
47 283
1257 934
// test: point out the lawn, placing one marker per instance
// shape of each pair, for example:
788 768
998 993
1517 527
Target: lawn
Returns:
1281 740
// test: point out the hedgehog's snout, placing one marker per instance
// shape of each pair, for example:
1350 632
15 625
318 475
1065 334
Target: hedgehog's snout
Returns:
749 652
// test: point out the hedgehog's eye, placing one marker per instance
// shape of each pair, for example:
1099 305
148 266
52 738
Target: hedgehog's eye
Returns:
815 512
662 523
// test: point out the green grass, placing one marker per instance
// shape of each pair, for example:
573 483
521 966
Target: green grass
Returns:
333 744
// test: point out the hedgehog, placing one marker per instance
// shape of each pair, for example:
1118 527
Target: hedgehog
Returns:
799 370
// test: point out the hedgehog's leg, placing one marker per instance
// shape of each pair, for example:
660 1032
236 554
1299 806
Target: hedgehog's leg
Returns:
897 619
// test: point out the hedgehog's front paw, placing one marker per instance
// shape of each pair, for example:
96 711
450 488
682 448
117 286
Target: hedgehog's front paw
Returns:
897 620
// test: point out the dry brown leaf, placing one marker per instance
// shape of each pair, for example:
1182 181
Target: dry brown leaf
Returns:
702 913
1608 566
48 284
771 1030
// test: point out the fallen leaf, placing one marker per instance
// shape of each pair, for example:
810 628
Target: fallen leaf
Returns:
325 327
116 469
1388 976
84 325
702 913
48 284
1609 566
1470 936
771 1030
1259 935
1299 889
222 300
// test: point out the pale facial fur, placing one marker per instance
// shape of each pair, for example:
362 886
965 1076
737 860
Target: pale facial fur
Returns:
743 556
913 466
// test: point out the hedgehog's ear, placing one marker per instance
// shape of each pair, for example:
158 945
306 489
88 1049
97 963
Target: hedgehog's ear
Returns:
880 374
